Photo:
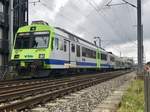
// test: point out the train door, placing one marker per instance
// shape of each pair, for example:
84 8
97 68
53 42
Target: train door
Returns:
66 50
72 54
60 53
78 53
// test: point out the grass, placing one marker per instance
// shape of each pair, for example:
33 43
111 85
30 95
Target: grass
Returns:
133 100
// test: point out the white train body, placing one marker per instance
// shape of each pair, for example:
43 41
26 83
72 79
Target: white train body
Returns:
69 52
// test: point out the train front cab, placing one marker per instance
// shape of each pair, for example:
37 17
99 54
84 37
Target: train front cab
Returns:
32 47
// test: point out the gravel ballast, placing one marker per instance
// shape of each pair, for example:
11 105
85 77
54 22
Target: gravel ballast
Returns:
87 99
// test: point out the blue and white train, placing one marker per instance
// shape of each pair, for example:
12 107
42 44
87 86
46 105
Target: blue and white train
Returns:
40 47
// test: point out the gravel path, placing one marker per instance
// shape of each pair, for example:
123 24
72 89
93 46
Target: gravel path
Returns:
85 100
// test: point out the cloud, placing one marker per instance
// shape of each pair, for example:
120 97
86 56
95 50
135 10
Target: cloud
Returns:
88 18
125 50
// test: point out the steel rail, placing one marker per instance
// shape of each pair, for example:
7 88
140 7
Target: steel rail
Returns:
35 89
13 82
28 83
24 81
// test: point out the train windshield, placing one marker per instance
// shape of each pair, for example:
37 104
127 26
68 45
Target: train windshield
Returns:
32 40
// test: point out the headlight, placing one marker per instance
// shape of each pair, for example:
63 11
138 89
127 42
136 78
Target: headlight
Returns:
41 56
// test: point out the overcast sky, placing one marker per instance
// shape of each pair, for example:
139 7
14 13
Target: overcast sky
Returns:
116 25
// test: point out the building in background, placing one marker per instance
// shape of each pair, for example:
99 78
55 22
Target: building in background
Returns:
20 19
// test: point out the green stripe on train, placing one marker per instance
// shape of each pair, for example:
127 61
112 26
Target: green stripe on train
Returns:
98 58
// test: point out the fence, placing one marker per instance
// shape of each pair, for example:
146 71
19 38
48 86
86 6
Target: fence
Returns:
3 71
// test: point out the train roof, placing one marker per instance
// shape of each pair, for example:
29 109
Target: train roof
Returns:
77 37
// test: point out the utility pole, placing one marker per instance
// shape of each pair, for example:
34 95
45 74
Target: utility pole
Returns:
11 25
120 54
99 39
139 38
139 32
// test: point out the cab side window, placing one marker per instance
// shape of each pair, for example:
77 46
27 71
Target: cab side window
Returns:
72 47
56 43
61 45
103 56
78 51
65 45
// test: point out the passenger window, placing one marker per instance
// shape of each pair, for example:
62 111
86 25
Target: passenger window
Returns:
61 45
65 45
84 51
56 43
104 56
88 53
72 47
112 59
78 51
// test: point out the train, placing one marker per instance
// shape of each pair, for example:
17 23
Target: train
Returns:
41 50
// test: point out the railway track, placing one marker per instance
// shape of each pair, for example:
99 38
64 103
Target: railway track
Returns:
28 81
22 83
27 95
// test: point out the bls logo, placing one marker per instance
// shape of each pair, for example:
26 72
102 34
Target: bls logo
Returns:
28 56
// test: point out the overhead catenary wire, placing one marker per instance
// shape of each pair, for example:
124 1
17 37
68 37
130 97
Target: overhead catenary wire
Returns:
103 16
66 18
113 26
121 24
93 4
69 20
125 27
101 13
